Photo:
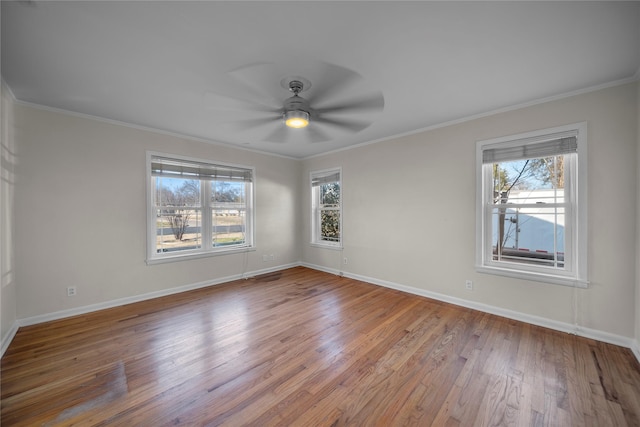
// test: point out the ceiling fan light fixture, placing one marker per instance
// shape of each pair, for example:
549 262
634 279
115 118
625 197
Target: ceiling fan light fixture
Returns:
296 119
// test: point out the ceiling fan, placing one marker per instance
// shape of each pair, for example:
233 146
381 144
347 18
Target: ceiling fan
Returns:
338 102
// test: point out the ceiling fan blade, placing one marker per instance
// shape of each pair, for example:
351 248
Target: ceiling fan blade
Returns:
343 125
331 80
262 80
368 103
247 124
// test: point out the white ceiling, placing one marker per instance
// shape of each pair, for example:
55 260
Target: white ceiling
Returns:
164 64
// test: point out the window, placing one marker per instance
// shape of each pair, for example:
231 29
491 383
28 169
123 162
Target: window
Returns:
531 212
326 208
197 208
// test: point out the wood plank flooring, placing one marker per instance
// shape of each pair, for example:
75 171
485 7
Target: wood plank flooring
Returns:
306 348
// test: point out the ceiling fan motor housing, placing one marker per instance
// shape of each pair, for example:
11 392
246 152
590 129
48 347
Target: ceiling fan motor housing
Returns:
296 103
296 111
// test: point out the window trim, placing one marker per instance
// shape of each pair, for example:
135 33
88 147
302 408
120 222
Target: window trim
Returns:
314 222
153 257
578 277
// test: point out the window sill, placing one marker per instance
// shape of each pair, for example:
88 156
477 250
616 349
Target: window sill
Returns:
187 257
336 247
536 277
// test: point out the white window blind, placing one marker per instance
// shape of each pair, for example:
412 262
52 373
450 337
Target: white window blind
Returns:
553 147
317 180
171 168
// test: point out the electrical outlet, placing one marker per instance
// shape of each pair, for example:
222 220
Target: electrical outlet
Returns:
265 258
468 284
345 261
71 291
272 257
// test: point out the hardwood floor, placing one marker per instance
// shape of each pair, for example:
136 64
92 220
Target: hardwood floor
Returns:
306 348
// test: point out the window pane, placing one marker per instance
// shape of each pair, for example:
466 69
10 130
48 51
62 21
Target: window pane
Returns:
532 175
533 235
225 192
228 227
178 229
228 213
330 194
330 225
178 214
177 192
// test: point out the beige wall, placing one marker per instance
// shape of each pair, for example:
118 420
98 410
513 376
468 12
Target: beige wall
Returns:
7 182
409 212
81 212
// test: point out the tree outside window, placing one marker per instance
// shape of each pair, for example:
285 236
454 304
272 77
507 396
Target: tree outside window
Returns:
329 212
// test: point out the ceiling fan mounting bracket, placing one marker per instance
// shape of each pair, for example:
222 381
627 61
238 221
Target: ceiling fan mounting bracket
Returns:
287 82
296 86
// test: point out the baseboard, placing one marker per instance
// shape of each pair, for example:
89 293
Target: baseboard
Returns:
510 314
635 348
143 297
8 337
324 269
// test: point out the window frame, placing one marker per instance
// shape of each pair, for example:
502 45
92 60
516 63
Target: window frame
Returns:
316 211
207 249
576 227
